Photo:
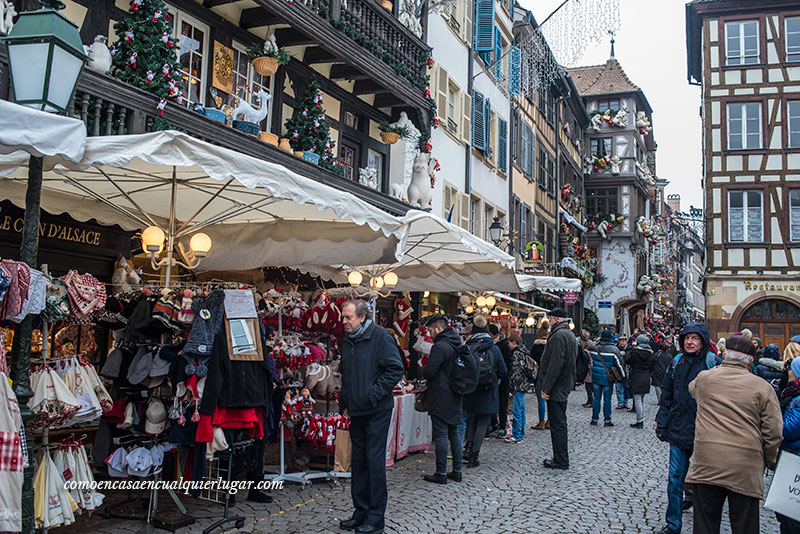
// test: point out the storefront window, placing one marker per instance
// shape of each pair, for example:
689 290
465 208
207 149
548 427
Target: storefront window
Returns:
192 55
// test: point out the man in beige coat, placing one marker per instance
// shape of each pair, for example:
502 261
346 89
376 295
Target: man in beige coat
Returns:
737 434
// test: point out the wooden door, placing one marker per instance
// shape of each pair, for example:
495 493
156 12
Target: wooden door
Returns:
773 321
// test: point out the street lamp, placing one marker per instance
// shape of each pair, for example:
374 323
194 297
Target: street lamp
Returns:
45 58
496 231
153 244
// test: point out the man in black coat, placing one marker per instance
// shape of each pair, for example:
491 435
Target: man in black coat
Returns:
500 422
370 368
444 406
555 381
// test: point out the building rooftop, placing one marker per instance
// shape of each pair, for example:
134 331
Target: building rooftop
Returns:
607 79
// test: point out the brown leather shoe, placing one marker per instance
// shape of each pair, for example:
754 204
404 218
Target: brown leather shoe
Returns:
547 424
539 426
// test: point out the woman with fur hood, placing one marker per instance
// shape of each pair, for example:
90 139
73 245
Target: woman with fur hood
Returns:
641 360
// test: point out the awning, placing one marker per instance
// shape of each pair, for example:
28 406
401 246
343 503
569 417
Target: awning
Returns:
39 133
437 256
572 220
257 213
505 297
529 282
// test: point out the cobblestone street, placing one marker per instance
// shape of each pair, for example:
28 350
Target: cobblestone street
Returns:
616 483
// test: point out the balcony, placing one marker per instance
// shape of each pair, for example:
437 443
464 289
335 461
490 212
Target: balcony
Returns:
361 40
110 107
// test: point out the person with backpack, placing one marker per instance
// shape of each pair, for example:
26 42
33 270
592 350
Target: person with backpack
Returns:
482 403
607 370
640 361
675 421
555 382
522 375
500 422
584 368
662 360
444 405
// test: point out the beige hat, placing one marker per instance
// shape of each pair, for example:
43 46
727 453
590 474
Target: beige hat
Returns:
156 417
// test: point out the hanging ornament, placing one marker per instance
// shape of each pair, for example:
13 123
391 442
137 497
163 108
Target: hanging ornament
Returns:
160 107
430 62
132 60
296 135
180 98
165 71
156 15
165 39
135 4
436 122
113 51
305 113
150 76
428 145
428 91
129 35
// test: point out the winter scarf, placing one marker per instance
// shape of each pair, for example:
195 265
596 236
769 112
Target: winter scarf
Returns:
555 328
788 394
208 319
359 331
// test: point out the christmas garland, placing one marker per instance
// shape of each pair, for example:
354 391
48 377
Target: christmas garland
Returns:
613 117
594 221
574 201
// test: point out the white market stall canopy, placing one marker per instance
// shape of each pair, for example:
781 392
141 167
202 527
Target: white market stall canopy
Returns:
257 213
40 134
437 256
528 282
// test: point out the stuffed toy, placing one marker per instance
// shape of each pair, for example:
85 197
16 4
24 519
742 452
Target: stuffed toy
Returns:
306 403
402 317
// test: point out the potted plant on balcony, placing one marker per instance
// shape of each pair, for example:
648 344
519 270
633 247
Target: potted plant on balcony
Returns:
387 5
390 134
267 56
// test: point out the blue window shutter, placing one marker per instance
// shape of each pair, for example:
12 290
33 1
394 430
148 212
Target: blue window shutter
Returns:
478 123
526 149
514 74
498 54
511 10
502 144
487 126
484 26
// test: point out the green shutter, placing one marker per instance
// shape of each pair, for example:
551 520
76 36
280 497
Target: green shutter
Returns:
502 144
478 121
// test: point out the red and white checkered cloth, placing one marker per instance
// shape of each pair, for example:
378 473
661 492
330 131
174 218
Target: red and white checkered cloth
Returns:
86 294
10 452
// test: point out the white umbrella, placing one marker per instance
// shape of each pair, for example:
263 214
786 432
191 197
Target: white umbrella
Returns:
38 133
257 213
529 282
437 256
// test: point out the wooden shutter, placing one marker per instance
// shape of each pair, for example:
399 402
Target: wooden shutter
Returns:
442 87
531 149
478 121
484 26
502 144
526 148
466 21
447 202
514 74
467 113
463 211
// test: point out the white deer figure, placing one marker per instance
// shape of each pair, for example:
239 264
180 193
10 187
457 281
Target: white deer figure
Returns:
250 113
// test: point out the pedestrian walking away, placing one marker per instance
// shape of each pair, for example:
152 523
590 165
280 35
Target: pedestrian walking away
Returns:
522 376
370 368
675 421
555 382
605 356
737 434
640 361
482 403
444 405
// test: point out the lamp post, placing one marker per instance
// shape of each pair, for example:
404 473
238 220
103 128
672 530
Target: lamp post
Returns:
45 58
496 231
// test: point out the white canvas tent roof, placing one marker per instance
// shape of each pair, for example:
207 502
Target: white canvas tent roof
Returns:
40 134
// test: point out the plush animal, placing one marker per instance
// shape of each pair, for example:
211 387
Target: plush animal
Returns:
621 118
402 316
597 122
604 227
419 190
99 55
250 113
368 177
125 277
615 161
643 123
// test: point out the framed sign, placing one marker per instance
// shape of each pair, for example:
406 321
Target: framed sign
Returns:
222 75
244 340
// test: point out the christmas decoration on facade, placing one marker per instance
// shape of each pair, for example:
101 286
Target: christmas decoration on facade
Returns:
309 129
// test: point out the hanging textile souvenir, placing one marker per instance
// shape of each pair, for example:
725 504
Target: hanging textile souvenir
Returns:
56 306
72 373
20 274
93 381
52 403
87 296
71 461
11 459
52 503
35 302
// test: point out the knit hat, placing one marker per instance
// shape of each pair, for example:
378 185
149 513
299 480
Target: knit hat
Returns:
739 343
643 340
772 351
111 368
479 325
558 312
209 315
606 336
796 367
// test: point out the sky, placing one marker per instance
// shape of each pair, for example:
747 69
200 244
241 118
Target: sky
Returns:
651 48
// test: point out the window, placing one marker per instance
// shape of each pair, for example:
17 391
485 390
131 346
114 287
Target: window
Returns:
192 55
550 175
542 168
527 150
542 99
793 108
487 221
247 82
602 201
549 255
452 123
523 224
375 161
793 39
349 157
351 120
502 144
474 205
745 217
744 126
551 108
540 233
741 43
604 105
794 214
600 146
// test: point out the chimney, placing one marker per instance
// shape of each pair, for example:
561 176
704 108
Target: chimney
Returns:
674 202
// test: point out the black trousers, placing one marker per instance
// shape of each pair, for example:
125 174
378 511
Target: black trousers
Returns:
709 502
368 468
476 431
502 412
446 438
557 414
788 525
589 392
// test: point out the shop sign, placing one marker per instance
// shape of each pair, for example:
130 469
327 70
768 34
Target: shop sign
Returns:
771 286
51 230
570 298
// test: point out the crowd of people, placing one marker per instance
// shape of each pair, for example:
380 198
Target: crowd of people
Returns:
725 409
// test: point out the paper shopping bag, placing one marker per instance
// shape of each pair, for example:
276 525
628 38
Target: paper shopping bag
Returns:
344 451
784 492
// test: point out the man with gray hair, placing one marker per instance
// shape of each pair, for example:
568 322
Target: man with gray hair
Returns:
737 434
371 366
